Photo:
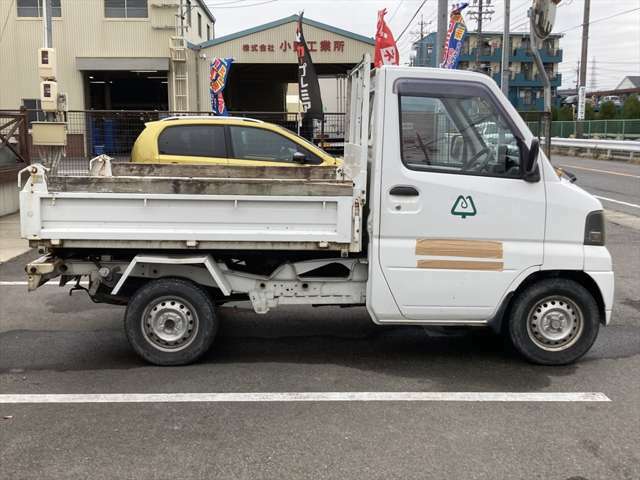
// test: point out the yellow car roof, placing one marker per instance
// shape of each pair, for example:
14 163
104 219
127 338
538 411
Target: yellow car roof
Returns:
185 120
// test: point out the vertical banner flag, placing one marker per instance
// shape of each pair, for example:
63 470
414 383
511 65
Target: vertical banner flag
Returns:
217 81
386 49
455 36
308 84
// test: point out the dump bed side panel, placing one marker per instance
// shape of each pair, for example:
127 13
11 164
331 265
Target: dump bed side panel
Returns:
112 216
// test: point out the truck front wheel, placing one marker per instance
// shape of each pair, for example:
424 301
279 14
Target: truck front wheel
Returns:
554 322
170 321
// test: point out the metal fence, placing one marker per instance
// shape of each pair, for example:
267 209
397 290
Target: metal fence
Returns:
14 144
94 132
605 129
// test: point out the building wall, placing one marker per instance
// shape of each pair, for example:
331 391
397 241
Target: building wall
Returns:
82 31
191 32
275 46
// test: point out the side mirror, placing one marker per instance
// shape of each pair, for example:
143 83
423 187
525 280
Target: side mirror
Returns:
531 169
299 157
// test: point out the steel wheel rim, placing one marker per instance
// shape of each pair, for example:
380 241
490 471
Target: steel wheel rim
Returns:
555 323
170 323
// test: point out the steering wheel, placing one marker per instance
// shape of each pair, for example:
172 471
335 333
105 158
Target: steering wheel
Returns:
474 160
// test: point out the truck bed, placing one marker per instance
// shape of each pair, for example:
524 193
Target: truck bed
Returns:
210 207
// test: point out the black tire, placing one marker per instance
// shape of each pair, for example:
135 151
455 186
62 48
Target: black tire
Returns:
170 321
532 330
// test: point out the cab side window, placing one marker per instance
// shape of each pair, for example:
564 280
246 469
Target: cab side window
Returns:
250 143
456 132
430 139
193 141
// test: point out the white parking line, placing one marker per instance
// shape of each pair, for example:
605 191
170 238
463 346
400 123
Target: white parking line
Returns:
308 397
22 282
618 201
601 171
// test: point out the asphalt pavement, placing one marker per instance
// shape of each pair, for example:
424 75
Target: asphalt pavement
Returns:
616 184
51 343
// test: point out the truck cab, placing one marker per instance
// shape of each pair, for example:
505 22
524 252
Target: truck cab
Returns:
468 221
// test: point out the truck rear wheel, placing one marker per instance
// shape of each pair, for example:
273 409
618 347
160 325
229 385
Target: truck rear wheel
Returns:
170 321
554 322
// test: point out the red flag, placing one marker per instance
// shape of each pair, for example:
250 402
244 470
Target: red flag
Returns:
386 49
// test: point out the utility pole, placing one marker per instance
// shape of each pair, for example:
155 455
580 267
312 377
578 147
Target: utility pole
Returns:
181 18
46 24
594 80
479 37
47 39
442 30
583 59
506 50
480 13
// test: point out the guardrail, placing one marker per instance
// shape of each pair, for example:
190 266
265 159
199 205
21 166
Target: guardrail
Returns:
598 146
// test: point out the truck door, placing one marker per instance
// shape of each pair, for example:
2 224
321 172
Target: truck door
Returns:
458 223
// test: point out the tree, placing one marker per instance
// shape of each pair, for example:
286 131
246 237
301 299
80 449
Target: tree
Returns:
589 113
565 113
607 111
631 107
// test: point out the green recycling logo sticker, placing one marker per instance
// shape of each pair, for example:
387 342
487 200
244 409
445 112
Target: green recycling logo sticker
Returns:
464 207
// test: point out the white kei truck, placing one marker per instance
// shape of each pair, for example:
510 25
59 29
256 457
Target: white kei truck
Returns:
429 221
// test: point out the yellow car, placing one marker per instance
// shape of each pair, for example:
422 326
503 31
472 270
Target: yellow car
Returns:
225 141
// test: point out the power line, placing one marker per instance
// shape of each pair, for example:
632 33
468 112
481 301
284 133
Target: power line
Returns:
395 11
225 3
246 6
412 19
601 19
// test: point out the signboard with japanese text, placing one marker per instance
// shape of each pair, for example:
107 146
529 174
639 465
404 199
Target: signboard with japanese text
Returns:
275 45
582 102
335 46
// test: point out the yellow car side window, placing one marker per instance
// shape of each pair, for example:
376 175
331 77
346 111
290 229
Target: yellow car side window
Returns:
250 143
193 141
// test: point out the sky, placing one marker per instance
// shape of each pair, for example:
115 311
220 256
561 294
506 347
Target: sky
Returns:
614 43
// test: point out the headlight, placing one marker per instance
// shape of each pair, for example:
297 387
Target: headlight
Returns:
594 233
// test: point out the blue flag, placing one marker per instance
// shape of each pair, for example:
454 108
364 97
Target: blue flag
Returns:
455 36
217 81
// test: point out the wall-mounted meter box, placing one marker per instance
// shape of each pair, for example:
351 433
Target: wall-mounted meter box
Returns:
47 64
49 96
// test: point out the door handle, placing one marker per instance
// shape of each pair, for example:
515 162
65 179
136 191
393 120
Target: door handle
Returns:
404 191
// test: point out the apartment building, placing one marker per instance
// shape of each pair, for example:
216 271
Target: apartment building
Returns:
483 53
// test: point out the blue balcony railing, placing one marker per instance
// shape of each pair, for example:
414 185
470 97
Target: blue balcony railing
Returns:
517 55
524 80
523 54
